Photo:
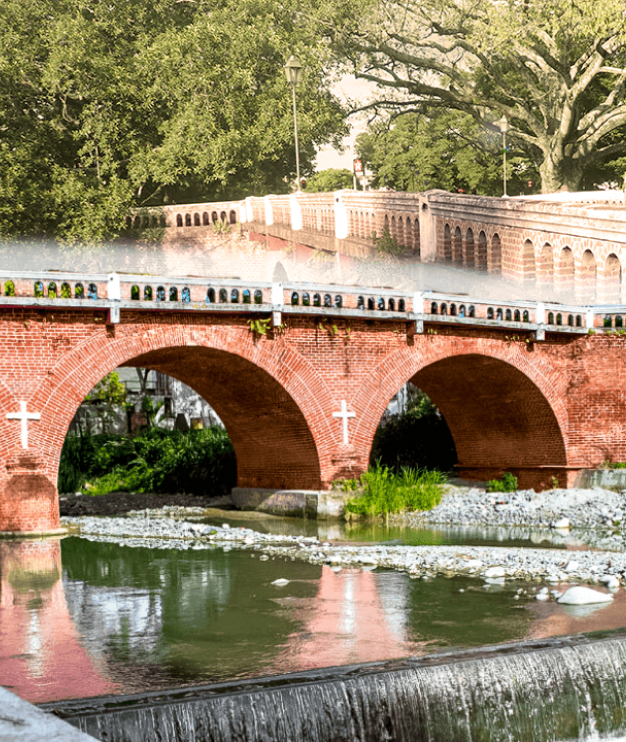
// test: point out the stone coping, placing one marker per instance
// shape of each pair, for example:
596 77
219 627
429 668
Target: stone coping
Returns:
20 721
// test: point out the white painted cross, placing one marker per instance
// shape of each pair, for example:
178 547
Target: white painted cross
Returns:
344 415
24 417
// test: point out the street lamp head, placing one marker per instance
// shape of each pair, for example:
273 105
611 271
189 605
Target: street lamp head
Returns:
503 124
293 70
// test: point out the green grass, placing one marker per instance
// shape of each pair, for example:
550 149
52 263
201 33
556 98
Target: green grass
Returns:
386 491
508 483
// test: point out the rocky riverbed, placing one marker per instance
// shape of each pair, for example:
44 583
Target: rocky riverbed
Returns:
596 514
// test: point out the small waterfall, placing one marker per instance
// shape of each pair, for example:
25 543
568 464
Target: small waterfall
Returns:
570 688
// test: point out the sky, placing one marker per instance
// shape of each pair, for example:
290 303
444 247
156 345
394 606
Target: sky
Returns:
348 88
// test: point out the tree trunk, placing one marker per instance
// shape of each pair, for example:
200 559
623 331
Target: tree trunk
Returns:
559 173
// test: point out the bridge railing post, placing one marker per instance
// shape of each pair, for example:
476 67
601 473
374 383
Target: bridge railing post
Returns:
114 294
341 218
418 311
269 211
277 304
540 320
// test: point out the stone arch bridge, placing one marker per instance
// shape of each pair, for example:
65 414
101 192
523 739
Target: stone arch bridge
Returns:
301 375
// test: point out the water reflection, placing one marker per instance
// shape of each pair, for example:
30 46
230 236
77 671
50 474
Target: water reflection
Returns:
41 654
434 535
116 619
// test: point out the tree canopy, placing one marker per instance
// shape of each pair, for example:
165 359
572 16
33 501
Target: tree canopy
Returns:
447 150
107 105
556 69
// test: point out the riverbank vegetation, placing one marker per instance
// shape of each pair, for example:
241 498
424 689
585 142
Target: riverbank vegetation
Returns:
386 491
199 462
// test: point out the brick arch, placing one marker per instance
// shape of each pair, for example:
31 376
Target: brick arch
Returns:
273 403
505 411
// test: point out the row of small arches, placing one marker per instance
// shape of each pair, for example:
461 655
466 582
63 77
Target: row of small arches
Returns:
52 290
571 319
212 296
379 304
613 321
317 300
453 310
204 220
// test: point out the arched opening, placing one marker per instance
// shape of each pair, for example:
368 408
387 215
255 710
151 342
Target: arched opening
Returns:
612 280
245 398
499 419
587 277
545 266
481 254
494 257
417 245
457 246
564 273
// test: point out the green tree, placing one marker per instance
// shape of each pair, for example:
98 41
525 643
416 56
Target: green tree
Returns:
107 395
447 149
556 69
104 106
331 179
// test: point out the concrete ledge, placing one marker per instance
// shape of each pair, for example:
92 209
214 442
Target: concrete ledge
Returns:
20 721
34 534
608 479
295 503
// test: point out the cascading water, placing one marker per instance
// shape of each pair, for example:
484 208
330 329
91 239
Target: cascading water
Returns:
572 688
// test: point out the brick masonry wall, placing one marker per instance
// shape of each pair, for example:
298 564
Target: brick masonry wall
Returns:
539 409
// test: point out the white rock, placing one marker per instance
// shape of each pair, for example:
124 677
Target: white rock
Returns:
280 582
495 572
611 581
225 526
263 558
572 566
474 564
584 596
542 597
561 523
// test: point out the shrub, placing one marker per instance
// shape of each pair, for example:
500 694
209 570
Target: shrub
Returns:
389 492
418 438
508 483
197 462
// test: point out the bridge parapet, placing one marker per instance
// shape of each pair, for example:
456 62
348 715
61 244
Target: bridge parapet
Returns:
116 292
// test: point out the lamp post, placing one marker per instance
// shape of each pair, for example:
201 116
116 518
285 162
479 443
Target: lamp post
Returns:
504 127
293 70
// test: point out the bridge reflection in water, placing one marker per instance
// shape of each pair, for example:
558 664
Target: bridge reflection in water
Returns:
41 654
117 620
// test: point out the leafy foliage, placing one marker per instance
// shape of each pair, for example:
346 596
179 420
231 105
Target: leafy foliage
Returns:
331 179
104 106
507 483
418 438
198 462
441 149
389 492
555 69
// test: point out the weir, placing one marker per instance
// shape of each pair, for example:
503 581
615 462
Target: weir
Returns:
569 688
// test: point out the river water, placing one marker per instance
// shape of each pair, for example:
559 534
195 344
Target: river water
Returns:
80 618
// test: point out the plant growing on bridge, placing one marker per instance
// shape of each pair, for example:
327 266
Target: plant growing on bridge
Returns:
385 244
259 327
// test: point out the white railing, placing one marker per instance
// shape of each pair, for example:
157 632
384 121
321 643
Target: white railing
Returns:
117 292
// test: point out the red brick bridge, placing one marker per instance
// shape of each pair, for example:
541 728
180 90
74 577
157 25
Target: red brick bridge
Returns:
301 375
570 245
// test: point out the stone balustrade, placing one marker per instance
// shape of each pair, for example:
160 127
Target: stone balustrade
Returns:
117 292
